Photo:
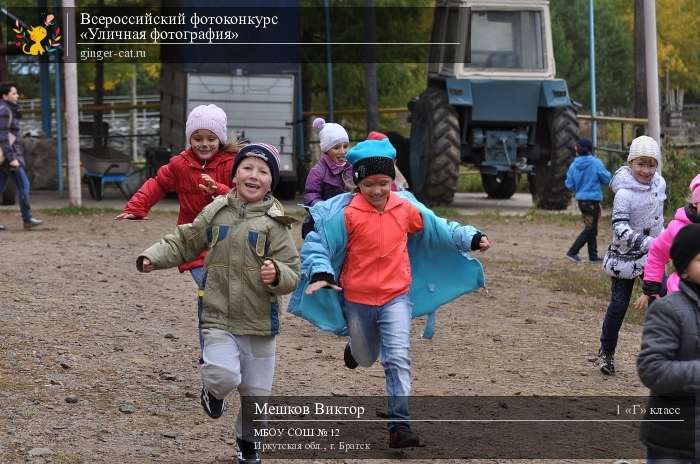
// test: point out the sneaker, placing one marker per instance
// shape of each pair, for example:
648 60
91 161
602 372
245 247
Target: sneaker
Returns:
403 437
350 362
606 363
595 259
212 406
573 258
247 454
32 223
2 227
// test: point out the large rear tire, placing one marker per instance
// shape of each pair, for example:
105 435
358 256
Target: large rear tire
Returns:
435 148
562 132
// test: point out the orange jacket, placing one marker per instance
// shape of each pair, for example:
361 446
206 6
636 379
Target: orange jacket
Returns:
377 268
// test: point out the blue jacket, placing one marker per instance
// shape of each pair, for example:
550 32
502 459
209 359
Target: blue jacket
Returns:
441 267
585 177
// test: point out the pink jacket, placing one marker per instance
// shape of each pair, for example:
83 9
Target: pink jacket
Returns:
660 250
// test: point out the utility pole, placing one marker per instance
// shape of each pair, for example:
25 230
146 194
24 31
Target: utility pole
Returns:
654 127
591 59
72 114
371 67
640 80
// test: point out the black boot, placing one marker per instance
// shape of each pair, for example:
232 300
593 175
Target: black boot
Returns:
403 437
606 362
247 454
214 407
350 362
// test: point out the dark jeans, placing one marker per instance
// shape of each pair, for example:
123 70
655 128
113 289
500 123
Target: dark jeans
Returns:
620 295
589 235
19 177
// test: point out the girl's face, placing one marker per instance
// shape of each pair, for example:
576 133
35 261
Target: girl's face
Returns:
338 152
204 143
643 169
253 179
376 190
692 272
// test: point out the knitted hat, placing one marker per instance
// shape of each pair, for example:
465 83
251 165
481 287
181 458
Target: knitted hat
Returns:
685 247
372 157
265 152
695 189
209 117
584 146
644 146
330 134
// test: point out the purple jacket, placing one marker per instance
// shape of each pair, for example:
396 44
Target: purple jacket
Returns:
326 180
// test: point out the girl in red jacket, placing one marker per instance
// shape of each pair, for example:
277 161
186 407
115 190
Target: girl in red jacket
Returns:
197 175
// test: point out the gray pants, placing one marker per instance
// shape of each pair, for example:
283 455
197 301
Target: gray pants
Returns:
243 362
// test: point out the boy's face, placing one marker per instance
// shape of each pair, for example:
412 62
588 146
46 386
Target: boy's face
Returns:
253 179
204 143
338 152
376 190
643 169
692 272
12 96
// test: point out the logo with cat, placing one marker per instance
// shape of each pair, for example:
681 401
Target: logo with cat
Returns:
37 40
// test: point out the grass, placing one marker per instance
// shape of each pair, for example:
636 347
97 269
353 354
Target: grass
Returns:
88 210
593 283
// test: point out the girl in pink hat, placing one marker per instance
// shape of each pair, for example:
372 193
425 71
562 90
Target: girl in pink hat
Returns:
660 251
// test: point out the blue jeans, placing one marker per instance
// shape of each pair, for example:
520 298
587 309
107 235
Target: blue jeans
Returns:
385 330
19 177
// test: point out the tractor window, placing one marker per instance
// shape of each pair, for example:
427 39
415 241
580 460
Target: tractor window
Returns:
506 40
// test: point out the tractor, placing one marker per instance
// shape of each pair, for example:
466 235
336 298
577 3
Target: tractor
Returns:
491 101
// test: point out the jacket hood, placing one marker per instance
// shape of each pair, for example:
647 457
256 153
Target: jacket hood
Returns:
333 166
269 205
583 162
682 216
624 179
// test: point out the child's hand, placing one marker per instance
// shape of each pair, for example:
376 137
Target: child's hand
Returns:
209 187
268 272
319 284
641 302
147 265
484 244
129 216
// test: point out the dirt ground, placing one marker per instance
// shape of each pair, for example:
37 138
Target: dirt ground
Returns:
79 323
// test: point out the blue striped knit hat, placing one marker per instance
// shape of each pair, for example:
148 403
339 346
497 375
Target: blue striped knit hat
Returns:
265 152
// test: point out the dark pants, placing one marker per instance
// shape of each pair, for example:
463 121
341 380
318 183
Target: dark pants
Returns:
589 235
620 295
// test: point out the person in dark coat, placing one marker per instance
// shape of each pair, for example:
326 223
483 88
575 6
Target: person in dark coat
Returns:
669 360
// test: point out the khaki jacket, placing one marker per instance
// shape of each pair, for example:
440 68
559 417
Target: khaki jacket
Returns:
238 237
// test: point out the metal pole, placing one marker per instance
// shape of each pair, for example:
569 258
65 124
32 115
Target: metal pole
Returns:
72 115
59 118
591 60
45 87
652 68
329 64
134 115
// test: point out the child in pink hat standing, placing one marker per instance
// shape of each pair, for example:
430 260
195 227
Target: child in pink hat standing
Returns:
660 251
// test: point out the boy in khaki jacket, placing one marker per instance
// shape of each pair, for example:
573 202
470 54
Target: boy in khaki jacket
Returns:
251 260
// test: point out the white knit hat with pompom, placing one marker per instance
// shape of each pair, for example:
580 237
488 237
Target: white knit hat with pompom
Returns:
330 134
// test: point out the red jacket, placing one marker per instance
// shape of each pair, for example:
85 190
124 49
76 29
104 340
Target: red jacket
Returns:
182 175
377 268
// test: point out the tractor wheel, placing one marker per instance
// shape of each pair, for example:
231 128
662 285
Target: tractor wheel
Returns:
286 190
501 186
562 132
435 148
403 153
